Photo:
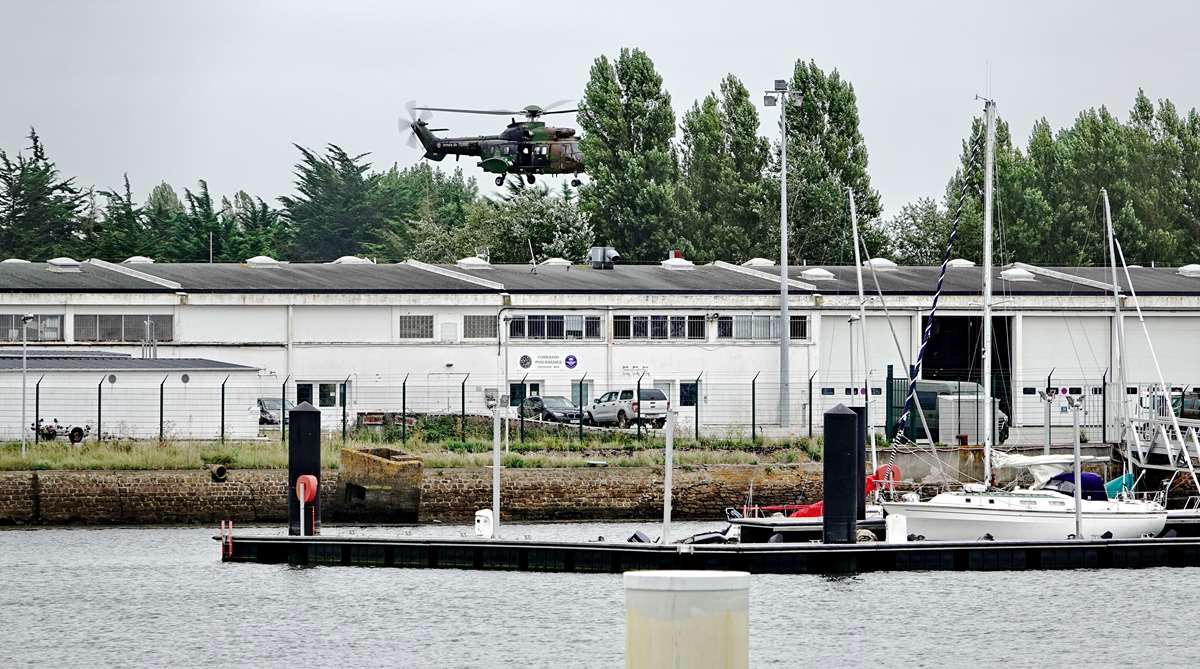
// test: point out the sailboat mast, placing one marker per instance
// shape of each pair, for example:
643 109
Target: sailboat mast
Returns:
862 326
1119 320
986 350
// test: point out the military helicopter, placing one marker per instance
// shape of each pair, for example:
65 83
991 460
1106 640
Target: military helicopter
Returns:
526 147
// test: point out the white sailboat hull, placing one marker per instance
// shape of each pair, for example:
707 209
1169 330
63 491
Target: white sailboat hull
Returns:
948 517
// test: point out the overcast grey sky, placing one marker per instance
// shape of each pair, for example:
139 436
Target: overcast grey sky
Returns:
219 90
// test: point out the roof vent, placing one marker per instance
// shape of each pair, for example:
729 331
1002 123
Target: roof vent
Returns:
758 262
1017 274
1192 270
352 260
960 262
15 260
137 260
880 264
675 261
817 274
262 261
555 262
602 257
473 262
63 264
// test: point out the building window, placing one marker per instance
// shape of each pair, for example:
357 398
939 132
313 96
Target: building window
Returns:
416 327
689 392
556 326
799 328
124 328
479 327
516 328
753 327
328 395
43 327
659 327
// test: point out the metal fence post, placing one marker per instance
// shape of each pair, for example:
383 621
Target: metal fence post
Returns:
754 408
637 399
811 402
404 410
283 410
223 408
888 411
581 407
697 406
1104 408
100 410
37 409
345 399
520 408
161 394
462 419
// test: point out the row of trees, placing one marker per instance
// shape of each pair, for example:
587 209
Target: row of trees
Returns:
706 184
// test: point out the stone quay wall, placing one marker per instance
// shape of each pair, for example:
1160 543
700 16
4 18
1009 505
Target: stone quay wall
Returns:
251 496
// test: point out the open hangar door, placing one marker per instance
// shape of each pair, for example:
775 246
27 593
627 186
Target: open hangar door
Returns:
954 353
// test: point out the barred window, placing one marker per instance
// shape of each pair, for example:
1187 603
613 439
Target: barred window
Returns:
557 326
124 327
678 327
591 327
43 327
479 327
658 327
416 327
574 325
621 327
516 328
536 326
799 328
641 327
743 327
725 327
695 327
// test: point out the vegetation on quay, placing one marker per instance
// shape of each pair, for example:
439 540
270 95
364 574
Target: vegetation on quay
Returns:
537 451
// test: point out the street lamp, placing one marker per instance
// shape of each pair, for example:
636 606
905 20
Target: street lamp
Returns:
24 373
783 93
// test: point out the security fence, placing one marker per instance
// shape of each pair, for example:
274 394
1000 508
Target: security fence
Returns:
207 408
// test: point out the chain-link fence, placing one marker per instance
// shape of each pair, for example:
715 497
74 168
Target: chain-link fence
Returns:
213 407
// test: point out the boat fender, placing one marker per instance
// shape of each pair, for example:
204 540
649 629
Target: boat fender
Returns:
776 538
864 537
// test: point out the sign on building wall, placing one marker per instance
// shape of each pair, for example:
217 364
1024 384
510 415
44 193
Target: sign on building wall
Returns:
548 361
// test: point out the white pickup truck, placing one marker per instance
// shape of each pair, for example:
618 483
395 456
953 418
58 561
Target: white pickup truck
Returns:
619 408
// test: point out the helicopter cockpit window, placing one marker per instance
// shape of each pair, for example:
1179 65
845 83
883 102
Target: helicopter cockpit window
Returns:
541 151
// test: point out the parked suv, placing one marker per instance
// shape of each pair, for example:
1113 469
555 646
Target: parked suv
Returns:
619 408
553 408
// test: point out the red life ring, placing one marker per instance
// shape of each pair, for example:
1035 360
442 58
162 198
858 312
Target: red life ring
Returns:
306 488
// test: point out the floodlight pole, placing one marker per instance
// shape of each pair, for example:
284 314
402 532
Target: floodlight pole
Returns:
782 93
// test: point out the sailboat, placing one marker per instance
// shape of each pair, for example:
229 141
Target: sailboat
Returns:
1059 506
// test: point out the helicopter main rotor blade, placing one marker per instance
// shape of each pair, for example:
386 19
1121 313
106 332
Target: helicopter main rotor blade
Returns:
554 105
494 112
561 111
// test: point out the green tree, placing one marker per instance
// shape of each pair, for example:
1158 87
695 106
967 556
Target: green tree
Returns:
257 229
335 211
123 231
428 217
628 128
918 234
826 156
726 194
39 210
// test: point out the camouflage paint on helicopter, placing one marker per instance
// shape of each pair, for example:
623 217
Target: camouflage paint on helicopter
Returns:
524 147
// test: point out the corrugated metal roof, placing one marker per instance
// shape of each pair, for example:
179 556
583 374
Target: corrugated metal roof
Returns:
47 360
517 278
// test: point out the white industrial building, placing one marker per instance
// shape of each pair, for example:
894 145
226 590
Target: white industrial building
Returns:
700 332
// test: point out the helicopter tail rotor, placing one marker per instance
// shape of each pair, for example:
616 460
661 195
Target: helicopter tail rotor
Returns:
408 126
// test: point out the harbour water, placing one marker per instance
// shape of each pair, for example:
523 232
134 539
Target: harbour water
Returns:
157 597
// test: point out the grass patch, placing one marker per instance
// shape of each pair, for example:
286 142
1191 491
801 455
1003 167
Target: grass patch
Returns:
145 455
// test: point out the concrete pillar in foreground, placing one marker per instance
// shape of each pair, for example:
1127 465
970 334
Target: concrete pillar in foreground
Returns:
693 619
304 457
839 464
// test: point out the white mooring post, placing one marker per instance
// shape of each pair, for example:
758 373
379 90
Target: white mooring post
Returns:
692 619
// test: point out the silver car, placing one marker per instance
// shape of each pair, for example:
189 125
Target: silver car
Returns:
618 407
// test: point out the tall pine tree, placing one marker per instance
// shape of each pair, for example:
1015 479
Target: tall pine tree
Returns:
39 210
